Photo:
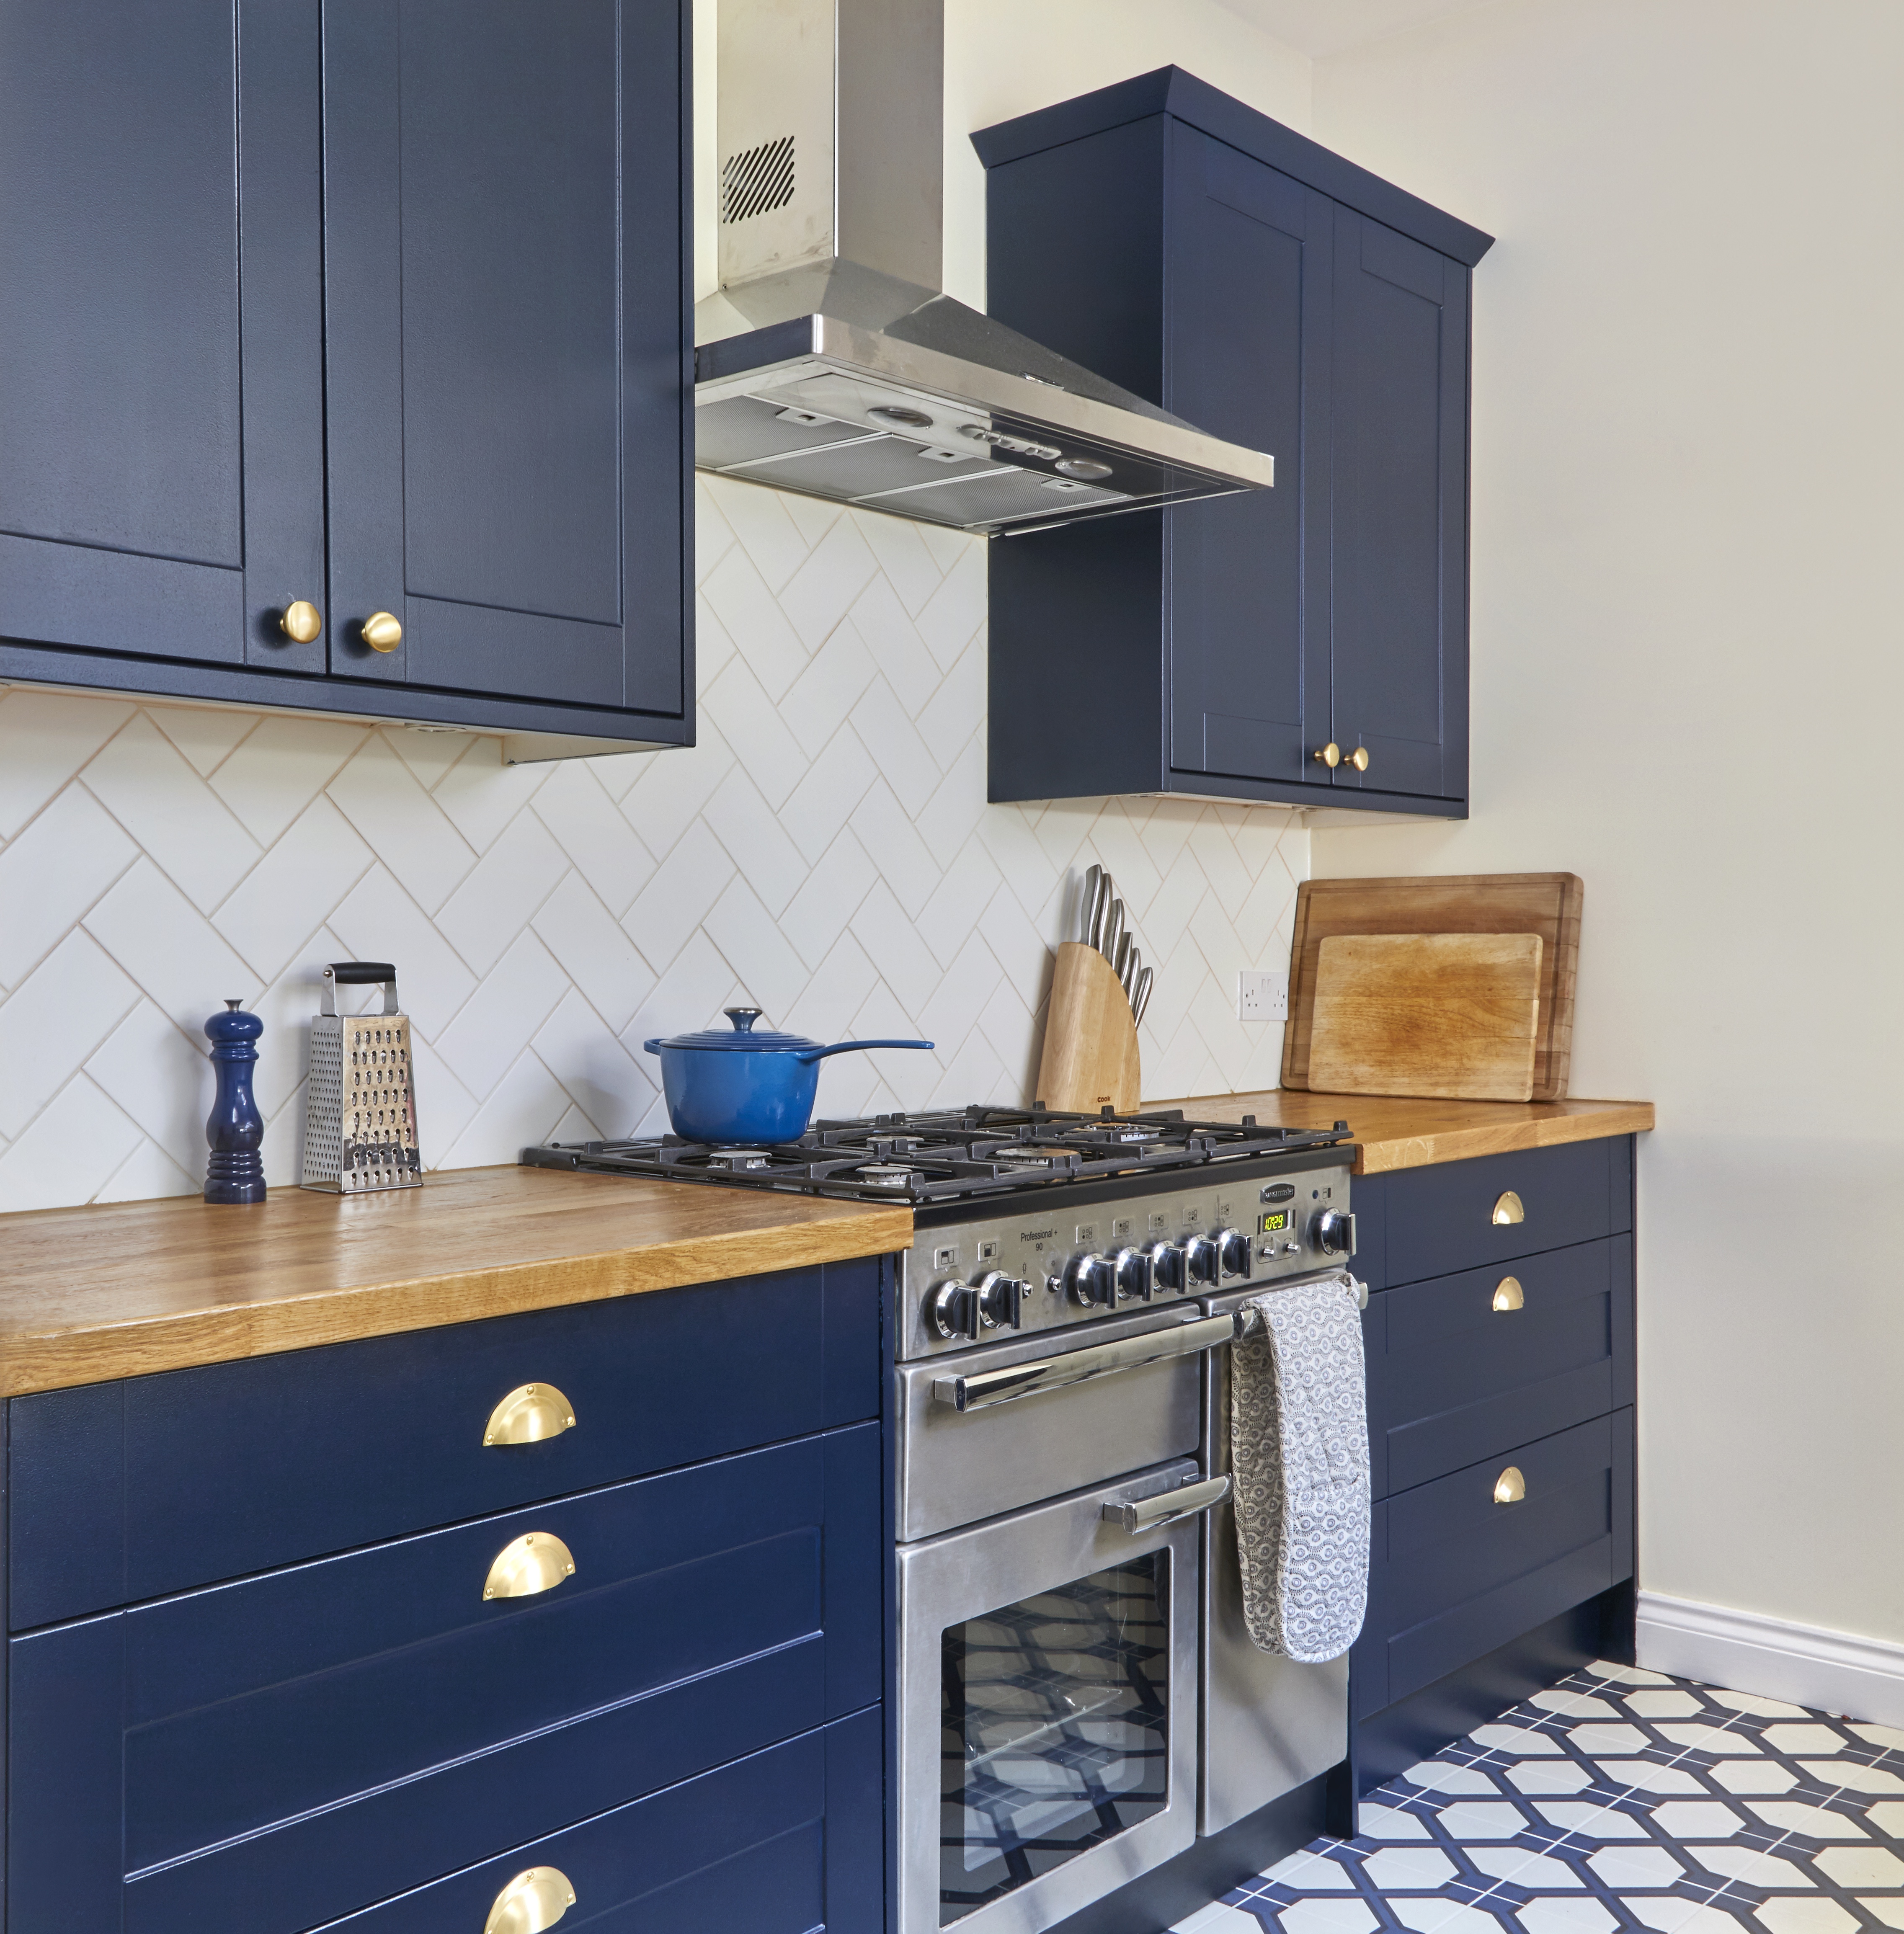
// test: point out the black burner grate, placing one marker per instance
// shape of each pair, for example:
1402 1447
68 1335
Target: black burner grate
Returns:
945 1155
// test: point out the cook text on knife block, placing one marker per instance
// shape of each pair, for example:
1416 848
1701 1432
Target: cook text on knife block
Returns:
1090 1058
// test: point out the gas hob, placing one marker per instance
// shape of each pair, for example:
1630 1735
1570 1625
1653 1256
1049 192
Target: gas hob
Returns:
948 1156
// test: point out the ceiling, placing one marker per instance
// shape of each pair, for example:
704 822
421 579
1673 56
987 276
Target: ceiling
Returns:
1319 27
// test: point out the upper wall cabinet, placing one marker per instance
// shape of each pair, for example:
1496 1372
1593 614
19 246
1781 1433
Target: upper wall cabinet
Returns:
377 307
1307 644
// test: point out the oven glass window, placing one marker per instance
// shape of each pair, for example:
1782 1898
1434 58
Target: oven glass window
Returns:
1056 1713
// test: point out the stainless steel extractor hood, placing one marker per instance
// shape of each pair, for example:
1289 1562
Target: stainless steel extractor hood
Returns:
828 363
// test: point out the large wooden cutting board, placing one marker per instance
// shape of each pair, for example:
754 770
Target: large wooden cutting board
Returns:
1447 1014
1548 904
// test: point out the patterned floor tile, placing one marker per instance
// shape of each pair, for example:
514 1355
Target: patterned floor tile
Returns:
1616 1800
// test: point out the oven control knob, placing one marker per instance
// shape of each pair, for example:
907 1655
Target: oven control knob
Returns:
1094 1281
1334 1231
1134 1277
1167 1266
1000 1299
1200 1263
1232 1246
952 1309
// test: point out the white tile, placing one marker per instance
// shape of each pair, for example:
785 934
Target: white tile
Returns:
892 642
500 895
429 751
270 779
905 563
1852 1775
163 1079
1674 1705
774 651
1374 1822
575 806
833 787
595 953
667 797
444 1107
713 533
1648 1778
1218 1918
1326 1916
951 618
598 1072
1598 1740
1620 1867
758 517
147 785
949 817
818 914
1579 1915
1755 1867
1889 1737
948 547
1673 1914
283 900
1702 1819
521 1110
1706 1739
1574 1705
402 824
893 945
1885 1911
762 959
1804 1740
205 734
1436 1775
52 1020
894 747
1628 1675
1791 1816
689 995
75 1145
1528 1871
956 709
821 592
835 994
812 517
1549 1776
45 738
377 920
672 903
1441 1917
58 866
820 701
147 1173
1395 1869
756 733
170 948
1482 1820
1807 1916
481 795
1753 1776
499 1020
1591 1820
905 859
755 840
1848 1867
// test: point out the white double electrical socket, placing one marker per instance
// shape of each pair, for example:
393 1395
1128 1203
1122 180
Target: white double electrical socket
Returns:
1262 997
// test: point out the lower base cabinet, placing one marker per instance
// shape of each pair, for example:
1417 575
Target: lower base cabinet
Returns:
667 1688
1500 1348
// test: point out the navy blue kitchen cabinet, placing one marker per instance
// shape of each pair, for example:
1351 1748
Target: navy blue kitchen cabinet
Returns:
1499 1337
1306 644
687 1723
378 305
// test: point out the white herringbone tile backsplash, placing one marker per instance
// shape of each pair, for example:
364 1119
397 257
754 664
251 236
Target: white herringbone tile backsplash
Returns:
825 852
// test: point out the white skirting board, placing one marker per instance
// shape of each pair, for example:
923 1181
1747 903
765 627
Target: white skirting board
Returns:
1746 1652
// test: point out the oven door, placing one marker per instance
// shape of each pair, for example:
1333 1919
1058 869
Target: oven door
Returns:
1047 1723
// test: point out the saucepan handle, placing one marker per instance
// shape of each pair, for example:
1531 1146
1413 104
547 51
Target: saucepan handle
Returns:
852 1047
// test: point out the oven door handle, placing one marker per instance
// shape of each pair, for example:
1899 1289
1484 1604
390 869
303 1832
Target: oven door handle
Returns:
1167 1507
1078 1366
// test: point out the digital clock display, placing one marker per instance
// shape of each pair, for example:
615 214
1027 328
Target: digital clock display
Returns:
1275 1221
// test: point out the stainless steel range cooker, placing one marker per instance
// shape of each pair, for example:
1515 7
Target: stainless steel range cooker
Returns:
1078 1697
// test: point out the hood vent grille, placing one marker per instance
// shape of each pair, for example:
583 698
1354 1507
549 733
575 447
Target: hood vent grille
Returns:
758 181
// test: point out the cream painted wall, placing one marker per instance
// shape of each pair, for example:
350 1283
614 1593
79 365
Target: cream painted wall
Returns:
1689 685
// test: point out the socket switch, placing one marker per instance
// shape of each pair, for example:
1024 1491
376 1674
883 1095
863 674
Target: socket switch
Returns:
1261 996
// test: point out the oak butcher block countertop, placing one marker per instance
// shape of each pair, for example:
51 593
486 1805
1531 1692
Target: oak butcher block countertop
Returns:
90 1294
1396 1131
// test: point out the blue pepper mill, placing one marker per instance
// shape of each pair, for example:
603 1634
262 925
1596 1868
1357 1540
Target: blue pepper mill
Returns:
234 1127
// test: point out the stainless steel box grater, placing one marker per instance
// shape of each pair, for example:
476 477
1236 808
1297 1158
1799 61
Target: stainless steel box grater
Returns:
361 1106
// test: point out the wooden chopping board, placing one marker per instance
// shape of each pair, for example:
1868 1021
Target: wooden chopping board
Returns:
1547 904
1449 1014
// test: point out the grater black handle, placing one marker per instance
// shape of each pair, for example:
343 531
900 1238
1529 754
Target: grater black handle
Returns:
361 973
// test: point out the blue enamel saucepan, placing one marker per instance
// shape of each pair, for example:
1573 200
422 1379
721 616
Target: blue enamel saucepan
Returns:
743 1086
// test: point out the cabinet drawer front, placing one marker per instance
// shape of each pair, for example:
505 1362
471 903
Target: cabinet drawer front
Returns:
124 1492
273 1754
1453 1574
1468 1365
1441 1219
785 1843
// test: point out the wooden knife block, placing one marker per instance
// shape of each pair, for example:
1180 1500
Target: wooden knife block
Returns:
1090 1059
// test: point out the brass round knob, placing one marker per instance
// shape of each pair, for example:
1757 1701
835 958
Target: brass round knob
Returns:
381 632
1331 755
302 620
1358 758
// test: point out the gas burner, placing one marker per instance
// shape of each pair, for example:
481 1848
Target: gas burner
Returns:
946 1155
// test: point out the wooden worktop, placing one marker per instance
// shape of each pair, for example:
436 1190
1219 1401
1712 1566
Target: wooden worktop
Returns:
90 1294
1394 1132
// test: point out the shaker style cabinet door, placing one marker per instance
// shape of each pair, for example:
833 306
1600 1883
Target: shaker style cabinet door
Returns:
1247 318
1399 503
161 431
506 347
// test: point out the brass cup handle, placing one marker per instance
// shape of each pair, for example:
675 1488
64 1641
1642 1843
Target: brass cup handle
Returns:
1509 1294
381 632
527 1415
1508 1209
539 1561
302 620
536 1898
1330 754
1510 1488
1358 758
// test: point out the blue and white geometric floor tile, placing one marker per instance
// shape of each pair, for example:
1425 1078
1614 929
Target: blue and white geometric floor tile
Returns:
1618 1798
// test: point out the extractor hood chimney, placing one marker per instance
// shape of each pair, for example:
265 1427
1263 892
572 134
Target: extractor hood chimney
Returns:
828 362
